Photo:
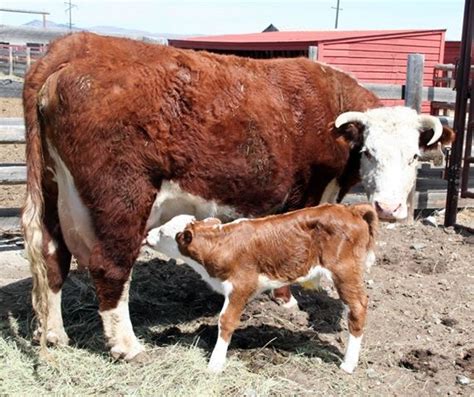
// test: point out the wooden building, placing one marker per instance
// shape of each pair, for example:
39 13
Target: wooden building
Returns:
373 56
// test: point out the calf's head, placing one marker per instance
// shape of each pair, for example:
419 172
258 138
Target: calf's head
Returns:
390 141
195 241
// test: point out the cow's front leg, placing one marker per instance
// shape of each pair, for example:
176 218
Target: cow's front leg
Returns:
112 285
284 297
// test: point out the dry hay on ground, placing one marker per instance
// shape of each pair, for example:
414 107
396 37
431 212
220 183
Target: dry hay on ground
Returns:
419 334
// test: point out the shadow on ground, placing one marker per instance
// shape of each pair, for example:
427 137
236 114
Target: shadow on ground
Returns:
170 304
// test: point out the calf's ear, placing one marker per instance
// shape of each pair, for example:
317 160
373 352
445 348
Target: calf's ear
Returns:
184 238
446 139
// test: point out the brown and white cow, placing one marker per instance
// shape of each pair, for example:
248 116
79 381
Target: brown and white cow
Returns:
243 258
123 135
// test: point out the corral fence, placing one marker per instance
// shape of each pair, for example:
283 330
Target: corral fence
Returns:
460 170
430 190
16 59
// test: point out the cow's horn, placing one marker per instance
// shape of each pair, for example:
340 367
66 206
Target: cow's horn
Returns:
350 117
431 123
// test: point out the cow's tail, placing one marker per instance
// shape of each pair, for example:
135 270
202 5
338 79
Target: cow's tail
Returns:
369 215
32 213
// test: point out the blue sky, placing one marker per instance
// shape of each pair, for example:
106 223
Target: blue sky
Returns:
231 16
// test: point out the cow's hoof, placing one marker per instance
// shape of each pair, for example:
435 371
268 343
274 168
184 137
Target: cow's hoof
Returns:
349 368
53 337
120 352
141 358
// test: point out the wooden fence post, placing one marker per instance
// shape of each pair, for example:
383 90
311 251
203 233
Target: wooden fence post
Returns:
413 99
10 60
28 58
313 53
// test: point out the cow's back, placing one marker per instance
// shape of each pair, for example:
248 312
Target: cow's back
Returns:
246 133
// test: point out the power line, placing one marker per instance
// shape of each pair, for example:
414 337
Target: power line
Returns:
69 9
337 8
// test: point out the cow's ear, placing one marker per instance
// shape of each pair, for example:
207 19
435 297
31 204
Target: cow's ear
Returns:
352 132
446 139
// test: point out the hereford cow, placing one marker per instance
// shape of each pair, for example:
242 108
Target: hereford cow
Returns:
122 136
246 257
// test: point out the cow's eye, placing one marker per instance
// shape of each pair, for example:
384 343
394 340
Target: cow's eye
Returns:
413 159
367 154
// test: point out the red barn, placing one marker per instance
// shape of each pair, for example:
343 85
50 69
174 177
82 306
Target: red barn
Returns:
375 56
452 52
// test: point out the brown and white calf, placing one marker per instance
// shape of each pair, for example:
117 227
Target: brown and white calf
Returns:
246 257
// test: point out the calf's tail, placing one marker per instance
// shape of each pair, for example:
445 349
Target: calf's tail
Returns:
369 215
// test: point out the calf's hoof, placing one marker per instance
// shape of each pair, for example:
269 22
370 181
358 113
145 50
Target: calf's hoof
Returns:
349 368
216 366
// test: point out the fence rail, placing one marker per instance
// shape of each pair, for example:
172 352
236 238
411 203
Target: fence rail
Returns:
15 60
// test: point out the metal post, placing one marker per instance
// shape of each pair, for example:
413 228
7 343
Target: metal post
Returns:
414 81
337 14
313 53
28 58
10 60
413 99
462 95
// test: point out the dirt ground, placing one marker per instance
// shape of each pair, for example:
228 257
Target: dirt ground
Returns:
419 337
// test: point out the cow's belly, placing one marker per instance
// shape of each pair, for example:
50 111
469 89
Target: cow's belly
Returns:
171 201
74 217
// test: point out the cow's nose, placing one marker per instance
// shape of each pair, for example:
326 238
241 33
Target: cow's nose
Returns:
387 210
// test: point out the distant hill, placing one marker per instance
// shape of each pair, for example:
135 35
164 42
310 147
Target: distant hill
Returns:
106 30
36 23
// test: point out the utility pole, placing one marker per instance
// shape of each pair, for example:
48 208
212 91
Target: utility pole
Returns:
337 8
69 9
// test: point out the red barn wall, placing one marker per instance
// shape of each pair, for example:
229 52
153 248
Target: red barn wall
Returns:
452 50
384 59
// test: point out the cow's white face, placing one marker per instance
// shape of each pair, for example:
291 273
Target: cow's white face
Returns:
389 151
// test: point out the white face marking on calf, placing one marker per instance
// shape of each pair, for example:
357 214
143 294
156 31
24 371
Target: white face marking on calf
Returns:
162 239
389 155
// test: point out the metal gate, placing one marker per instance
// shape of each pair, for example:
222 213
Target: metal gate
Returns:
458 171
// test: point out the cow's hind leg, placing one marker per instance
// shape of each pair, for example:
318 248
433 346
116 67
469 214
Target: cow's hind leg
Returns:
284 297
120 228
58 261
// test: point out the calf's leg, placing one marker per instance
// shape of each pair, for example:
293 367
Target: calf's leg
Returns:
352 293
229 318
